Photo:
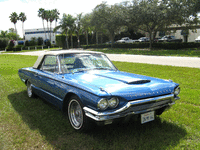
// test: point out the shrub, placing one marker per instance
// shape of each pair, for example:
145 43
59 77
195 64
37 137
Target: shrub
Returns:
18 47
3 43
40 41
10 45
48 43
27 43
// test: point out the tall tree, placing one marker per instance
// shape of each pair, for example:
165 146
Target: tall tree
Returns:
3 34
109 18
66 23
47 18
86 25
23 18
56 16
78 28
71 32
156 15
51 19
12 30
13 18
41 14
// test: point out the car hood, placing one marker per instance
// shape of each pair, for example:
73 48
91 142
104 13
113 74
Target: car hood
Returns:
126 85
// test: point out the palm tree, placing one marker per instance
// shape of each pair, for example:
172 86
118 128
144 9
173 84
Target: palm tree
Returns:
47 18
41 14
13 18
70 32
78 27
51 19
66 23
22 17
86 25
56 16
4 33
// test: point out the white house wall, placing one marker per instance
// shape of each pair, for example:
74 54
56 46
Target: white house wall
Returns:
36 33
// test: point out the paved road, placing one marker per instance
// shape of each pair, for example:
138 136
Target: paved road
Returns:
193 62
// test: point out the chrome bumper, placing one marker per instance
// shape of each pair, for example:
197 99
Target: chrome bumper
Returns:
128 109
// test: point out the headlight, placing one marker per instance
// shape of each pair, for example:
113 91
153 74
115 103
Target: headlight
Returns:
113 102
103 104
177 91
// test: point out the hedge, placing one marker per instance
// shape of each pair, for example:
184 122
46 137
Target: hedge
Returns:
170 45
22 47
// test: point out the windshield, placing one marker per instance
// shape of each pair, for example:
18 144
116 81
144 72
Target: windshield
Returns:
71 63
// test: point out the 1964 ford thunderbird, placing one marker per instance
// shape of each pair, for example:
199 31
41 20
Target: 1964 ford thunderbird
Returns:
89 87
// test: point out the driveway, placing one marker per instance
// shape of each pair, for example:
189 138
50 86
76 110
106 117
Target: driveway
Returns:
193 62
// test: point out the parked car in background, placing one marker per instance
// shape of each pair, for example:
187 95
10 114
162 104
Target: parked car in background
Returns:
143 39
125 40
87 86
169 38
197 39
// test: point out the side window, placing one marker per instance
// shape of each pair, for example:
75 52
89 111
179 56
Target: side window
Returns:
50 64
67 63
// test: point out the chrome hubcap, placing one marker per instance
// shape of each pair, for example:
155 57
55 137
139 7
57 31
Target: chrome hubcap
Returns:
75 114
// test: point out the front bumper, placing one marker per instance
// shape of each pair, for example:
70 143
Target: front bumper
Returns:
133 107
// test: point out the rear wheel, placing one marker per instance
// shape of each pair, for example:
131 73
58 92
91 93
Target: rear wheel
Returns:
29 90
76 115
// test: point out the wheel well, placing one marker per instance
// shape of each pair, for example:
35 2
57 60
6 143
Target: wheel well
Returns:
26 81
66 100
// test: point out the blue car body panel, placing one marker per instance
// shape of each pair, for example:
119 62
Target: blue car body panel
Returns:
94 84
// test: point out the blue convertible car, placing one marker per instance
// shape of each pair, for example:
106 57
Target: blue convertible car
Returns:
89 87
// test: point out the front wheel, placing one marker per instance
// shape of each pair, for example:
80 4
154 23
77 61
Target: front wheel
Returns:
76 115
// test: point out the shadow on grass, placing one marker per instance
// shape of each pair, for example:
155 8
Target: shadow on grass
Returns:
53 125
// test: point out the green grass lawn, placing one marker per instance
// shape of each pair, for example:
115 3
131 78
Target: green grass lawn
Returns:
27 123
161 52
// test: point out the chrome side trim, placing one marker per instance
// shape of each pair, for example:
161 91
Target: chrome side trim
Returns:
106 115
23 80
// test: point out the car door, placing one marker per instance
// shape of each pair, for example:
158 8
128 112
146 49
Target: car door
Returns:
47 79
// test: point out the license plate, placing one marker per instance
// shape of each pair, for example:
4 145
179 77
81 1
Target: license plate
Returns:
147 117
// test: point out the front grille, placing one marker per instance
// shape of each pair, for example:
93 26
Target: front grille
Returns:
145 106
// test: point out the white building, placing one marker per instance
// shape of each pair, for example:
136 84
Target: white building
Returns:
181 32
45 34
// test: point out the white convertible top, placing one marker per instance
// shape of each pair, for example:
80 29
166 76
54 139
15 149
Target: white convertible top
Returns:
40 57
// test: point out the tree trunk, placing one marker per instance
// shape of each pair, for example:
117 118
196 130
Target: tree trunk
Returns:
50 32
86 37
154 35
44 31
97 41
16 31
112 36
78 39
71 41
56 31
23 30
67 41
150 40
48 29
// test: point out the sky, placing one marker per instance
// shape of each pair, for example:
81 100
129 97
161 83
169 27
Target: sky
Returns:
31 7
